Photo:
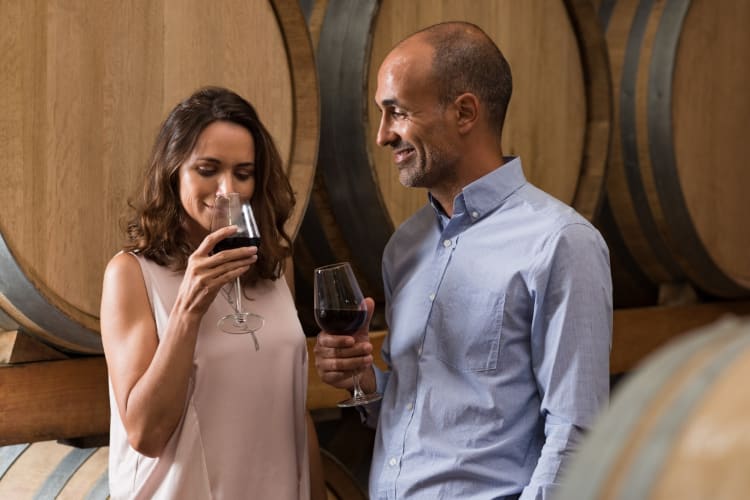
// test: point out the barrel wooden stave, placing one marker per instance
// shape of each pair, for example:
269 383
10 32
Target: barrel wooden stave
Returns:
85 80
709 112
676 176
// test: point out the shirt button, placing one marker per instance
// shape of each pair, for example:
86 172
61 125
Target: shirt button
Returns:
447 243
392 462
432 296
474 214
409 406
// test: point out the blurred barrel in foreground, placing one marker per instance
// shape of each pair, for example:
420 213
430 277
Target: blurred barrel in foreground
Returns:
678 428
83 89
558 120
678 178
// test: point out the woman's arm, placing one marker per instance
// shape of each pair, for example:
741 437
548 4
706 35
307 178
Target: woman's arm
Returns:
150 378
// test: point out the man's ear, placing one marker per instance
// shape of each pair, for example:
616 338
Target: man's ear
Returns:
467 108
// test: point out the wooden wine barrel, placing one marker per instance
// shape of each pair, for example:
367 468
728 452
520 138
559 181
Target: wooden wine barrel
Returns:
677 175
558 119
631 287
48 469
677 428
83 90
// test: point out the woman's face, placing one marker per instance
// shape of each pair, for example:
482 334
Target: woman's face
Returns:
223 161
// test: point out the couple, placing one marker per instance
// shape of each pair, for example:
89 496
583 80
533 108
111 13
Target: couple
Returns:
498 305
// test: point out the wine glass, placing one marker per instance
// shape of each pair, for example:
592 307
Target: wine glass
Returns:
340 310
230 210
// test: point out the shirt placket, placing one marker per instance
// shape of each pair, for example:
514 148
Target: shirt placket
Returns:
441 260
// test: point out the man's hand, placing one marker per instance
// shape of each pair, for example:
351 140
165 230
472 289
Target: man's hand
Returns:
337 357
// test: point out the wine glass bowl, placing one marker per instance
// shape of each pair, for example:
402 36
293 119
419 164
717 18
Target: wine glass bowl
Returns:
229 210
340 310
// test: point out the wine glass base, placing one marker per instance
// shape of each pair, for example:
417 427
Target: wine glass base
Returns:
241 323
363 400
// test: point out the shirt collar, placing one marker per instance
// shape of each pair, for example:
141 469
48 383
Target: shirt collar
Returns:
485 194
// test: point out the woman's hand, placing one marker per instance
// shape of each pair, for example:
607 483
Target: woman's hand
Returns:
206 273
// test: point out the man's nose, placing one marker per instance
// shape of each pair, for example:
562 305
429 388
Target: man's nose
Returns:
385 135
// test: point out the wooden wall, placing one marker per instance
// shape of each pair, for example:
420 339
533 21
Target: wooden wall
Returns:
51 390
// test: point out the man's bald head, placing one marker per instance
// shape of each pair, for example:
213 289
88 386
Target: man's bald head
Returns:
464 60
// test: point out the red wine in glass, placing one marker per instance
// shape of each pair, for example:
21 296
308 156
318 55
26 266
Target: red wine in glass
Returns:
229 210
340 321
340 310
233 242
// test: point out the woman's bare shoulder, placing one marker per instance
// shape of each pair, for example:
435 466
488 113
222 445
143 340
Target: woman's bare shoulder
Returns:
124 286
123 265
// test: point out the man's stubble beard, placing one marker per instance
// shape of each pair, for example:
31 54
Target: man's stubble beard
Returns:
417 175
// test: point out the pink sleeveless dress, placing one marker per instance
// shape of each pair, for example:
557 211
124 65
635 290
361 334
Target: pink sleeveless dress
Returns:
243 434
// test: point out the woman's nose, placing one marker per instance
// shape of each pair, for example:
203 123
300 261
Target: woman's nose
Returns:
226 184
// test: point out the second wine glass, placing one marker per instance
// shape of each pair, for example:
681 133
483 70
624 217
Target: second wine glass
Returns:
229 210
340 310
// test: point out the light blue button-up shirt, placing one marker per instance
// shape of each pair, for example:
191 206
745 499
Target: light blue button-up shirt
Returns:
500 323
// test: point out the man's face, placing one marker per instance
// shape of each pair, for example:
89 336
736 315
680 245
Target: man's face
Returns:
413 122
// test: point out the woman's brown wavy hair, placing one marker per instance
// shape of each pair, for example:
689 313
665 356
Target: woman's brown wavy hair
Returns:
156 230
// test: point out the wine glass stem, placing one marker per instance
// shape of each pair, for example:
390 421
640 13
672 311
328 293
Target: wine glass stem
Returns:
238 295
358 393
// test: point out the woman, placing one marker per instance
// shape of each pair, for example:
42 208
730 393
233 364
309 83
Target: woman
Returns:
198 413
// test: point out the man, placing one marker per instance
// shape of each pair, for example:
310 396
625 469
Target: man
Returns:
498 296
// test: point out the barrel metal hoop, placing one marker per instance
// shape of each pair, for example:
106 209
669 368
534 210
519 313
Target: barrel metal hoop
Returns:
628 127
59 477
605 12
100 490
28 300
346 40
686 242
9 455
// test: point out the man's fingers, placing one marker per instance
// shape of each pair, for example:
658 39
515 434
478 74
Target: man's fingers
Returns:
210 241
358 350
326 340
330 367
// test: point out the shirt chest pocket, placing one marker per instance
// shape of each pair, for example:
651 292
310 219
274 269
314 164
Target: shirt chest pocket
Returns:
465 330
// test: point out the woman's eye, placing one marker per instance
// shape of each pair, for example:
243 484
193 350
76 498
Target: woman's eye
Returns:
243 176
206 171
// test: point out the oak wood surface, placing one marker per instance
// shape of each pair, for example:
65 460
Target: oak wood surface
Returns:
68 398
84 90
